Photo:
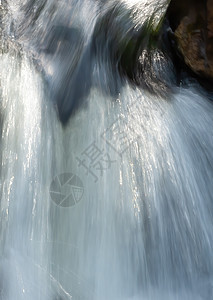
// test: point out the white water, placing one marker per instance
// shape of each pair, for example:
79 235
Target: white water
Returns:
144 230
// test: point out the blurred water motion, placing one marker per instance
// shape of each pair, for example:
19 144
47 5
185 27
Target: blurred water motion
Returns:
132 152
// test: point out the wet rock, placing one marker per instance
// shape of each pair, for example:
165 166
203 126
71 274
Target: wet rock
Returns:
138 51
192 22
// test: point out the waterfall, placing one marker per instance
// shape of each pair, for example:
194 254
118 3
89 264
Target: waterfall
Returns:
116 203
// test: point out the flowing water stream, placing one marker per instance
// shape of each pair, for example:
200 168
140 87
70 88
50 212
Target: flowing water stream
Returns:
118 202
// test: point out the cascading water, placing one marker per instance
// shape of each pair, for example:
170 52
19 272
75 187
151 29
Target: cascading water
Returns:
118 203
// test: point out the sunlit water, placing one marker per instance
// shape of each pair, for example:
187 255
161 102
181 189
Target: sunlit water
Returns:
143 228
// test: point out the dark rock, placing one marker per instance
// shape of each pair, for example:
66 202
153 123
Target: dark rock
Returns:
139 53
192 23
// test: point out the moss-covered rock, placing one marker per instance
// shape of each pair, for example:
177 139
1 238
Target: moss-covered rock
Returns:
134 47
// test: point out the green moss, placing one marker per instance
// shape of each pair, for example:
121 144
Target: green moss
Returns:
117 31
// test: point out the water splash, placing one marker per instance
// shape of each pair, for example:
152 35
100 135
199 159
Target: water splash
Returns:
143 229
